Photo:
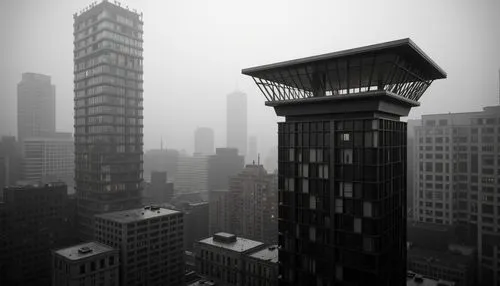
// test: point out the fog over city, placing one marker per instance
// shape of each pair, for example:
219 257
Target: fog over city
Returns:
194 52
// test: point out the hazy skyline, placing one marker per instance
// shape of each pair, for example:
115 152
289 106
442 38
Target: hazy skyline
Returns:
194 52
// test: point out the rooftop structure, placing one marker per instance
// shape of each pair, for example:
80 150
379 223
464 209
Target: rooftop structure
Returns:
399 67
267 254
83 251
231 242
342 160
136 215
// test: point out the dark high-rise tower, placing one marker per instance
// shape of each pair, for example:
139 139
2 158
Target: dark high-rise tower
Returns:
108 110
342 161
237 122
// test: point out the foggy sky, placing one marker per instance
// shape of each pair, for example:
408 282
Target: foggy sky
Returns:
194 52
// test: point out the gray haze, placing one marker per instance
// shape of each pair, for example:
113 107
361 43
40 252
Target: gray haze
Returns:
194 51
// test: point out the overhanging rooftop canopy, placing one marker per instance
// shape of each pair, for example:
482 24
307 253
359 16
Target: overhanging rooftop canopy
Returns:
398 67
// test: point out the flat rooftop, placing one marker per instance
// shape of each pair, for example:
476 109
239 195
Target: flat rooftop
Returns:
135 215
413 279
269 254
89 249
238 245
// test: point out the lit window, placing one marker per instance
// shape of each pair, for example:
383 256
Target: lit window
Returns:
367 209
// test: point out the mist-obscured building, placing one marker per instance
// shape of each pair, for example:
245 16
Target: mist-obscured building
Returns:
150 241
252 154
236 122
49 159
89 263
456 180
204 141
196 222
36 106
10 162
108 87
161 160
253 204
158 191
36 220
218 211
192 174
224 164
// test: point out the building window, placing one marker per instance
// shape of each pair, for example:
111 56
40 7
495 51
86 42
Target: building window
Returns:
367 209
357 225
339 206
346 155
345 137
368 244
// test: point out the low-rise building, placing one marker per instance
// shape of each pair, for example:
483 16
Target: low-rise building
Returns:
150 241
86 264
262 267
226 259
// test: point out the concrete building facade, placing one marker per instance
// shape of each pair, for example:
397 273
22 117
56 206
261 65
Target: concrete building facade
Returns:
49 159
457 180
86 264
150 241
236 122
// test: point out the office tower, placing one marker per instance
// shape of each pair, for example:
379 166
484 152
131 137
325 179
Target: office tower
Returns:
150 241
456 178
224 164
196 222
161 160
49 159
252 156
192 174
236 121
253 204
342 161
222 258
89 263
36 106
10 162
36 221
108 110
204 141
218 208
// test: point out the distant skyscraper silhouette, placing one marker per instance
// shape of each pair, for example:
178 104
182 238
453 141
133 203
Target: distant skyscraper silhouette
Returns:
108 111
36 106
342 161
237 122
204 141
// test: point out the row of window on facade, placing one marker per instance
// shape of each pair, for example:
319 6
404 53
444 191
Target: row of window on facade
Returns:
110 57
115 71
86 28
127 40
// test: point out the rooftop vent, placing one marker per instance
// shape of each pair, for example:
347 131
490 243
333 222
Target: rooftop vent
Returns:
84 250
224 237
